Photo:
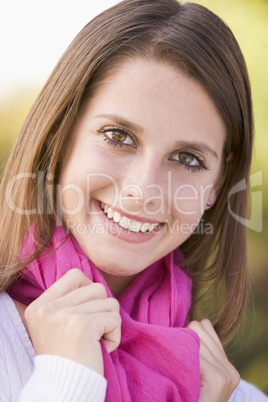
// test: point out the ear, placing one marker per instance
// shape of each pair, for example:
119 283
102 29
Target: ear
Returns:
213 195
212 198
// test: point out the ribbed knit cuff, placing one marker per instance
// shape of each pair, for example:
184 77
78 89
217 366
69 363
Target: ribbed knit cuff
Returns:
58 379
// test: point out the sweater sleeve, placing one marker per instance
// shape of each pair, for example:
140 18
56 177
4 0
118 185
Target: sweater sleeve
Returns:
246 392
56 379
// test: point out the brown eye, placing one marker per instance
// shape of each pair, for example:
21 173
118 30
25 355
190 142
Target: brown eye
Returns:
186 158
118 137
189 161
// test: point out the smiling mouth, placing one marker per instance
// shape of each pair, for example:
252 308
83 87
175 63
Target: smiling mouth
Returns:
126 223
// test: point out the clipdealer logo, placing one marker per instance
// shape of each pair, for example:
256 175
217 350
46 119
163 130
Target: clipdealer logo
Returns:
255 221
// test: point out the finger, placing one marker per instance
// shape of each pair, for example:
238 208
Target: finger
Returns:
106 325
214 357
112 338
217 382
206 335
210 381
95 306
73 279
207 325
85 294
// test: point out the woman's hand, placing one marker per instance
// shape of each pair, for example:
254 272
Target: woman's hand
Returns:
219 378
71 317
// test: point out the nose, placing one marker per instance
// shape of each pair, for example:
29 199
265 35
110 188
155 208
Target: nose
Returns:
143 187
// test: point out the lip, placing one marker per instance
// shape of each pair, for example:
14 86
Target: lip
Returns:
123 234
134 217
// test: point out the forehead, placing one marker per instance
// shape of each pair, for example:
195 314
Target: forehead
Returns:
149 93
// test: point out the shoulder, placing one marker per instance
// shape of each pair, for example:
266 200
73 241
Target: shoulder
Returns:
246 392
9 313
13 335
16 351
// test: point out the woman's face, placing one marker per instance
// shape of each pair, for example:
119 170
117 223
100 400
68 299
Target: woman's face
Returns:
143 160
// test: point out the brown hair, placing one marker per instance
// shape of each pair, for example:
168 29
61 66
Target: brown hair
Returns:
189 37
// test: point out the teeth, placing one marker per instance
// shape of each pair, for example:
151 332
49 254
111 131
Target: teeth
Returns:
110 213
126 223
116 217
151 227
145 227
135 226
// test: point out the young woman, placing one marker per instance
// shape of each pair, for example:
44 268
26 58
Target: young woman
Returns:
115 214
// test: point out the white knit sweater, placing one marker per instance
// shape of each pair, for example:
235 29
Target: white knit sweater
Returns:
25 377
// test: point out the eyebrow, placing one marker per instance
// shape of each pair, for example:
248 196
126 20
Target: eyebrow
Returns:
197 147
189 145
122 122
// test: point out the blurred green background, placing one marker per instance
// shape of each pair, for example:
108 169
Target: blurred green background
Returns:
248 19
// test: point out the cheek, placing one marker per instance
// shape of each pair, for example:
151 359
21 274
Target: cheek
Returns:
190 200
71 189
75 195
72 198
84 170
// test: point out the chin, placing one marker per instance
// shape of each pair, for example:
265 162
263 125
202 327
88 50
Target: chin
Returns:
113 266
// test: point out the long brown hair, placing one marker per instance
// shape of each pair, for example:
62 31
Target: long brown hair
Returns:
192 39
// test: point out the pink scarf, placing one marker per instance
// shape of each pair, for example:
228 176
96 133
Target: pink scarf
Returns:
157 358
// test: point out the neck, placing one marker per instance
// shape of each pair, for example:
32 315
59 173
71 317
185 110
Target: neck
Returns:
118 284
